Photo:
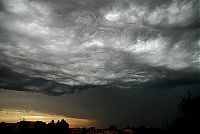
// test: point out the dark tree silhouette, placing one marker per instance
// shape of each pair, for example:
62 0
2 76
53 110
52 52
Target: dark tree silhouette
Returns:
190 106
23 127
112 128
189 123
62 127
39 127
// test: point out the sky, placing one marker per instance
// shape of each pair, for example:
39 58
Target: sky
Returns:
123 62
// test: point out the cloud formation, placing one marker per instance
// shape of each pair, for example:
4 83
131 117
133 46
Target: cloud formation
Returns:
58 47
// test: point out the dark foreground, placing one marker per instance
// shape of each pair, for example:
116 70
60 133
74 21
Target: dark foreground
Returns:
188 123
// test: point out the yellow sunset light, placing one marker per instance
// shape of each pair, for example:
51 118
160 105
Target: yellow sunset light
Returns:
10 115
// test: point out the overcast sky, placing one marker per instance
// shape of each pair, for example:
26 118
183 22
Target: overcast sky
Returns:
107 60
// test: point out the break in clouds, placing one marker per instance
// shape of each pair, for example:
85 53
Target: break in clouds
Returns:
63 46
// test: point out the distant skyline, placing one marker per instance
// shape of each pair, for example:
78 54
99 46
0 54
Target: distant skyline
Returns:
13 116
122 62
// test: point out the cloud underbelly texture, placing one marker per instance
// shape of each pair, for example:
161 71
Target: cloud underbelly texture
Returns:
58 47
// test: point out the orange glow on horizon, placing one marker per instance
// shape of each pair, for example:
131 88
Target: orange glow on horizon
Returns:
11 116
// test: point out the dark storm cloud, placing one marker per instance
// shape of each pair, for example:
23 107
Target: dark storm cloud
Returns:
16 81
58 47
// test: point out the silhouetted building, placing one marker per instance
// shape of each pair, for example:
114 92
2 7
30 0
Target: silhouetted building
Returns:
92 130
127 131
75 131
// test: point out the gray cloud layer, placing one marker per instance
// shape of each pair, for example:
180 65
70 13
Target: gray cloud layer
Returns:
63 46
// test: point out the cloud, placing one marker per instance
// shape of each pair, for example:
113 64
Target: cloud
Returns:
58 47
